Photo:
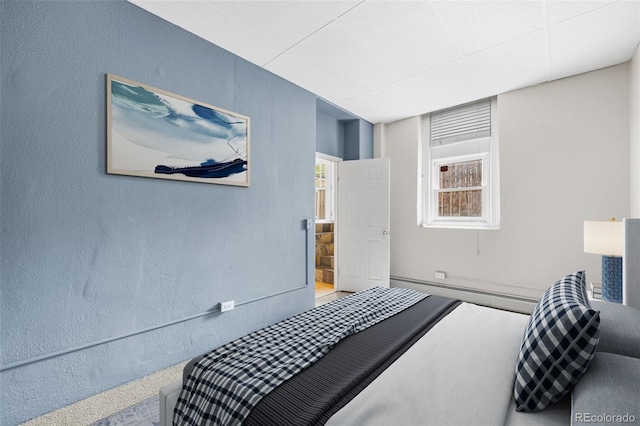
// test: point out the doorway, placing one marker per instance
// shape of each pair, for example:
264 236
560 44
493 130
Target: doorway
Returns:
325 217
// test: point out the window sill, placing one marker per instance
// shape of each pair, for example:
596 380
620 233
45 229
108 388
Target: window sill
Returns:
477 226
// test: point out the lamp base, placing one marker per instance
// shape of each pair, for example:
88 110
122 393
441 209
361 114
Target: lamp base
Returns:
612 279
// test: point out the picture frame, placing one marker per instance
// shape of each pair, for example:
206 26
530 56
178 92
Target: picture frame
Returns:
157 134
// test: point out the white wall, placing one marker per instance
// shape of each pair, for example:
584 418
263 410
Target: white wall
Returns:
634 132
378 137
564 150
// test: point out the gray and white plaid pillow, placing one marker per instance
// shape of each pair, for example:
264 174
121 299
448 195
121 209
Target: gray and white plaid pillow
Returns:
558 344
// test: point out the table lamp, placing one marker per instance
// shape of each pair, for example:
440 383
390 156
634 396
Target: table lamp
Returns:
607 239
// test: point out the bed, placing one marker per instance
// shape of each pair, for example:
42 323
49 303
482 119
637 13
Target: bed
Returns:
417 359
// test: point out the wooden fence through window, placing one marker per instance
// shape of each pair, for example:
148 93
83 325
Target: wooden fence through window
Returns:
458 201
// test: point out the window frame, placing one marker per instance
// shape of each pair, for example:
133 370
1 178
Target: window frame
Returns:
330 187
436 190
485 148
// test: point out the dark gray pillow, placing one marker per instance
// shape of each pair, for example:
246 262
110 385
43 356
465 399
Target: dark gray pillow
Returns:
609 392
619 328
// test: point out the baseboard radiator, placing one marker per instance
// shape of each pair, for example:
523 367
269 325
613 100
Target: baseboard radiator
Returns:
506 301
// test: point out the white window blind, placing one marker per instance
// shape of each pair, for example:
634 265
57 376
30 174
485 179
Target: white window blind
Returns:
460 183
465 122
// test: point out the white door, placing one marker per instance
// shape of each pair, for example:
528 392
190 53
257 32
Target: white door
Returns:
363 221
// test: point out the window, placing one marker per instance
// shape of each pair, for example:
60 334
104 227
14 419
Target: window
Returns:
460 182
324 190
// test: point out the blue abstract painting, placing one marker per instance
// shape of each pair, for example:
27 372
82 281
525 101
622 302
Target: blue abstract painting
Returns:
153 133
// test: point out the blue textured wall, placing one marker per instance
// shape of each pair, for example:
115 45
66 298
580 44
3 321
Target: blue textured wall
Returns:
350 139
87 256
329 135
358 140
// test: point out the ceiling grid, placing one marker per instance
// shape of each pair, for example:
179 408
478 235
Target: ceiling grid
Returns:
389 60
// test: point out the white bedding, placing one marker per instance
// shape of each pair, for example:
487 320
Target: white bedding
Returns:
460 373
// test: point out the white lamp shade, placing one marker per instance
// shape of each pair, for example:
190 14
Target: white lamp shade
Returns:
605 238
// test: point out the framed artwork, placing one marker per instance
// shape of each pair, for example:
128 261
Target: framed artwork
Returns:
154 133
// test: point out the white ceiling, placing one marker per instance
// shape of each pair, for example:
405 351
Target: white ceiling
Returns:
387 60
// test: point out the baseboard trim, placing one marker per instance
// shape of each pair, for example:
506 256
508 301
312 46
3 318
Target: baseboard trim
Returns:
500 300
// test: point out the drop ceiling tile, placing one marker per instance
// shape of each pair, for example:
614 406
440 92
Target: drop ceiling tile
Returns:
375 107
289 67
284 23
601 38
409 36
335 52
518 63
558 11
442 87
390 60
370 107
482 24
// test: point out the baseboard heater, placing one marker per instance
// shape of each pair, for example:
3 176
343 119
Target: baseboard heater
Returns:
510 301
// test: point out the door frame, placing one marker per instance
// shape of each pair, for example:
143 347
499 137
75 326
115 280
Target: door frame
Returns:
336 228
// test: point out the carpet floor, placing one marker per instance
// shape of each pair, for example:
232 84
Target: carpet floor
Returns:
144 413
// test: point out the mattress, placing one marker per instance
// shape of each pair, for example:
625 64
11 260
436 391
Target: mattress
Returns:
460 373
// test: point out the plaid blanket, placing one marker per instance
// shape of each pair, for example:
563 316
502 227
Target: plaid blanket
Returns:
227 383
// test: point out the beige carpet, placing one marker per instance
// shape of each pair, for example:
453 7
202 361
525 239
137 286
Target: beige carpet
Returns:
104 404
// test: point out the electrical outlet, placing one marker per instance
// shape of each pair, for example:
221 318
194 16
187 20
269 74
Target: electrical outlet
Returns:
440 275
226 306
